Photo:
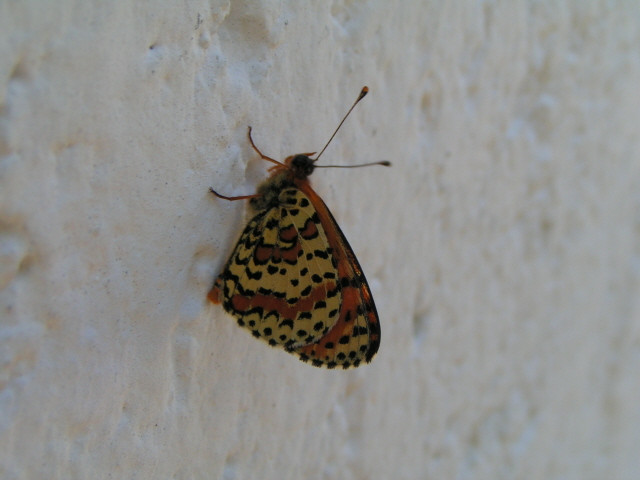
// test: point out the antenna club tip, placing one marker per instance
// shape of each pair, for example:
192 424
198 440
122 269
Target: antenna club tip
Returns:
385 163
363 92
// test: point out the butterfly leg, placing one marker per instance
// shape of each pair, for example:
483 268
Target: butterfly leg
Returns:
241 197
262 156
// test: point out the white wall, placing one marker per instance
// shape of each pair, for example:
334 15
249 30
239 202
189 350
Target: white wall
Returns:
502 248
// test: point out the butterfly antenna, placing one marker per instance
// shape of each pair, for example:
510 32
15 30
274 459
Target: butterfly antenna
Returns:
384 163
363 92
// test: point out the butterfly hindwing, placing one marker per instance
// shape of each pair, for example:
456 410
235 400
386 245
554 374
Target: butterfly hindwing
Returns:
294 282
281 281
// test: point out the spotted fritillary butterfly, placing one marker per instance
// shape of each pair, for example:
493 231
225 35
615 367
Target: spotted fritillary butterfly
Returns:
292 279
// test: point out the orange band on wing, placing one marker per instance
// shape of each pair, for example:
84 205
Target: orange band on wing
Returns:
241 303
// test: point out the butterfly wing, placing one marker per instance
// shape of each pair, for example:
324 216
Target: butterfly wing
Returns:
356 335
280 282
294 282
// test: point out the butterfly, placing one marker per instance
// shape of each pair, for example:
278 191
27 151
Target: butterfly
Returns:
293 279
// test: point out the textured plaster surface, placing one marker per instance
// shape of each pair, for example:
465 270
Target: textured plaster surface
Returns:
502 248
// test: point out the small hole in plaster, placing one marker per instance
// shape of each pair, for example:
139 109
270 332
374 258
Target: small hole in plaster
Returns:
20 70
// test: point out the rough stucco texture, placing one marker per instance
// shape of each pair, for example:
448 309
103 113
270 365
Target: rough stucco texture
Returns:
502 248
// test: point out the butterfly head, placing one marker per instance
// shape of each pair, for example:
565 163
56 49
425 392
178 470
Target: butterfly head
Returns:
300 165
